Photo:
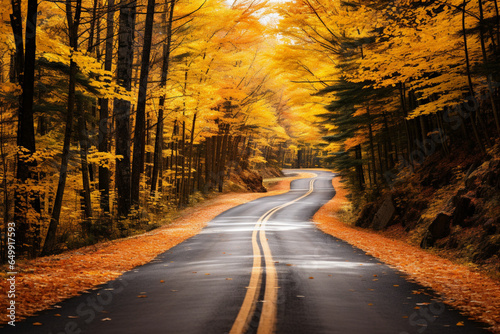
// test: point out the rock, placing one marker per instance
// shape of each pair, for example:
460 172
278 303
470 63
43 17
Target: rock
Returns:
365 215
490 226
487 249
470 180
463 209
384 214
427 241
471 169
440 226
252 180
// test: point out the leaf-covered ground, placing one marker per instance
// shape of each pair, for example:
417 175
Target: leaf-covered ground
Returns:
471 292
46 281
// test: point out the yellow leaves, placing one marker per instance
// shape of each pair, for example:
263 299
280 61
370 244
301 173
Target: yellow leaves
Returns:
257 159
354 141
8 88
103 159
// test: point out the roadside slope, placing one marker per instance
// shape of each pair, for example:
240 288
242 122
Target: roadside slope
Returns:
469 291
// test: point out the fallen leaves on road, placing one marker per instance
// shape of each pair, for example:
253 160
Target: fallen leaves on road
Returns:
45 281
469 291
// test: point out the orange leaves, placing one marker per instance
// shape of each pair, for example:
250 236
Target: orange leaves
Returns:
469 291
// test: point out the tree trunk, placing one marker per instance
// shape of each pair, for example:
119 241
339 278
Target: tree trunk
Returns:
25 63
122 107
157 156
93 20
208 163
140 117
103 146
359 167
84 147
73 23
16 22
372 149
190 161
471 88
223 156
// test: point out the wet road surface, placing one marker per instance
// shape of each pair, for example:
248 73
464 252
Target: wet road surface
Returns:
261 267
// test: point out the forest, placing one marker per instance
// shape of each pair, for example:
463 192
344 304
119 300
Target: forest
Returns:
115 113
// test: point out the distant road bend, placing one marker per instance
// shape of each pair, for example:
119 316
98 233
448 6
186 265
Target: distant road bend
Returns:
261 267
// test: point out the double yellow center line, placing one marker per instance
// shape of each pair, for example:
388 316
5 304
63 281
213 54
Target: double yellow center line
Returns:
268 317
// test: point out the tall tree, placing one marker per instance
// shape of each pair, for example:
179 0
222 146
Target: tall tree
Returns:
140 116
103 145
122 107
157 157
73 26
25 71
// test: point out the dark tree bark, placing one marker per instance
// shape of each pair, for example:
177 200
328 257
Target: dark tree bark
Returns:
222 159
16 21
208 163
122 107
359 167
103 146
73 24
469 78
157 156
24 74
182 183
84 148
372 149
140 118
93 21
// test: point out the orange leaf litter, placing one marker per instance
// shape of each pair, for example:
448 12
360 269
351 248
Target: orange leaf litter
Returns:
43 282
471 292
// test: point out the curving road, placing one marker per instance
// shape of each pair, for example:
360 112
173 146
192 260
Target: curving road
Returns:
261 267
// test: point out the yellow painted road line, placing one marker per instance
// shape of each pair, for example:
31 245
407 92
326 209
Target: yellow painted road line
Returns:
248 307
269 310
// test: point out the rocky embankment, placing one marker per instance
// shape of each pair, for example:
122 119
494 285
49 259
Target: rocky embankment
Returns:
451 205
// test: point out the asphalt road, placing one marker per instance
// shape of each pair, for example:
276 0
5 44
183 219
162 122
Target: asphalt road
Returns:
261 267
